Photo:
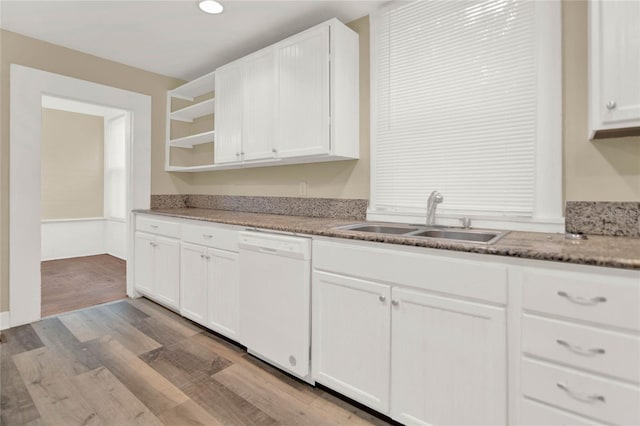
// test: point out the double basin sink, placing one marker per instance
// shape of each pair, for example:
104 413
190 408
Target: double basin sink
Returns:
479 236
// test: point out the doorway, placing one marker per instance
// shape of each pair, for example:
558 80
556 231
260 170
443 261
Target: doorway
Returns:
84 161
27 88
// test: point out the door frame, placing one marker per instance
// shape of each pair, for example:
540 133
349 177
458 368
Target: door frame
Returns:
27 86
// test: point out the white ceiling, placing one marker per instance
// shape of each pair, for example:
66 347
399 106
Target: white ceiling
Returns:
172 38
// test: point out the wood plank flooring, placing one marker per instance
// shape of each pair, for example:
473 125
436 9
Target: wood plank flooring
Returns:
80 282
132 362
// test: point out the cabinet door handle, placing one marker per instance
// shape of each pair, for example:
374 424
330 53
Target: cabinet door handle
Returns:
382 298
154 226
275 151
582 300
611 105
202 255
208 257
152 244
207 236
580 350
395 302
581 396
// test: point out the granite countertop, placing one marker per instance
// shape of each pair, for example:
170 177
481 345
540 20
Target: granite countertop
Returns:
615 252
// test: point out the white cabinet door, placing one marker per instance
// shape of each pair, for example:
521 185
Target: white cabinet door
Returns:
260 83
144 263
448 359
228 116
223 293
193 282
167 271
351 326
303 94
615 63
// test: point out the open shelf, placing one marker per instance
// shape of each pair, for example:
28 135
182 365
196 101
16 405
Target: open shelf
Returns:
192 112
190 141
191 90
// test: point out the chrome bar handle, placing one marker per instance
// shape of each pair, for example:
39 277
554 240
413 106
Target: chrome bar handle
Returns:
207 236
580 350
581 396
582 300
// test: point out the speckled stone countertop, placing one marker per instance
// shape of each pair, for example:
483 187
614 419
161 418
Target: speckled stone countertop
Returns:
615 252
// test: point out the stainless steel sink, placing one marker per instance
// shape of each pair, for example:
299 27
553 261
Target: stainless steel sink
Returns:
381 229
468 235
478 236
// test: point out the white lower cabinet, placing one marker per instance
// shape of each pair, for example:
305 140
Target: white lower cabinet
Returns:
448 360
422 358
223 310
351 331
157 267
193 282
209 288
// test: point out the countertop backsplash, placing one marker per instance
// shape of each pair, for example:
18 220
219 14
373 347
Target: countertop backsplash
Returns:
333 208
616 219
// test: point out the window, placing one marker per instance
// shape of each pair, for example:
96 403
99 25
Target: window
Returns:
467 101
115 190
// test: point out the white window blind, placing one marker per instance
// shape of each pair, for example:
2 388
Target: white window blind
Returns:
456 107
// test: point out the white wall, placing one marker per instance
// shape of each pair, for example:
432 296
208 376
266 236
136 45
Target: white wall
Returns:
116 238
66 238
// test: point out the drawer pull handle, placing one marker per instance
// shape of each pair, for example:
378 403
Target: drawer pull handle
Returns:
582 300
579 350
154 226
580 396
207 236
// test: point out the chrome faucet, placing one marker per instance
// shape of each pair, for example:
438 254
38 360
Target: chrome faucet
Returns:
432 203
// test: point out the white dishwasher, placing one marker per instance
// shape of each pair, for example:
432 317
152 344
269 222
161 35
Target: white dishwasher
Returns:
275 288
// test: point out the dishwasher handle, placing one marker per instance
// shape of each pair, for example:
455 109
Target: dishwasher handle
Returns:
276 245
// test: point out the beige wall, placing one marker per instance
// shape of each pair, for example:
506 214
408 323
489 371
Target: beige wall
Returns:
338 179
606 170
18 49
72 165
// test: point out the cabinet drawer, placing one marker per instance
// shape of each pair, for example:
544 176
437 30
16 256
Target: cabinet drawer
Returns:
601 351
211 236
533 413
158 227
420 269
599 398
599 298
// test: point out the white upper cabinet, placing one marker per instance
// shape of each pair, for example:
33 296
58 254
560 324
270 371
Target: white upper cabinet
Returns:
259 105
303 94
228 119
614 68
296 101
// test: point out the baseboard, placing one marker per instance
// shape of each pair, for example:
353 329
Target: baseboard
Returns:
5 320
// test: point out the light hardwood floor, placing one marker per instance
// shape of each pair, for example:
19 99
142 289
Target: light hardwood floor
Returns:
133 362
80 282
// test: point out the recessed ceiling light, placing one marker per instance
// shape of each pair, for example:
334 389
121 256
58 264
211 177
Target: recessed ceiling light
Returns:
210 6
